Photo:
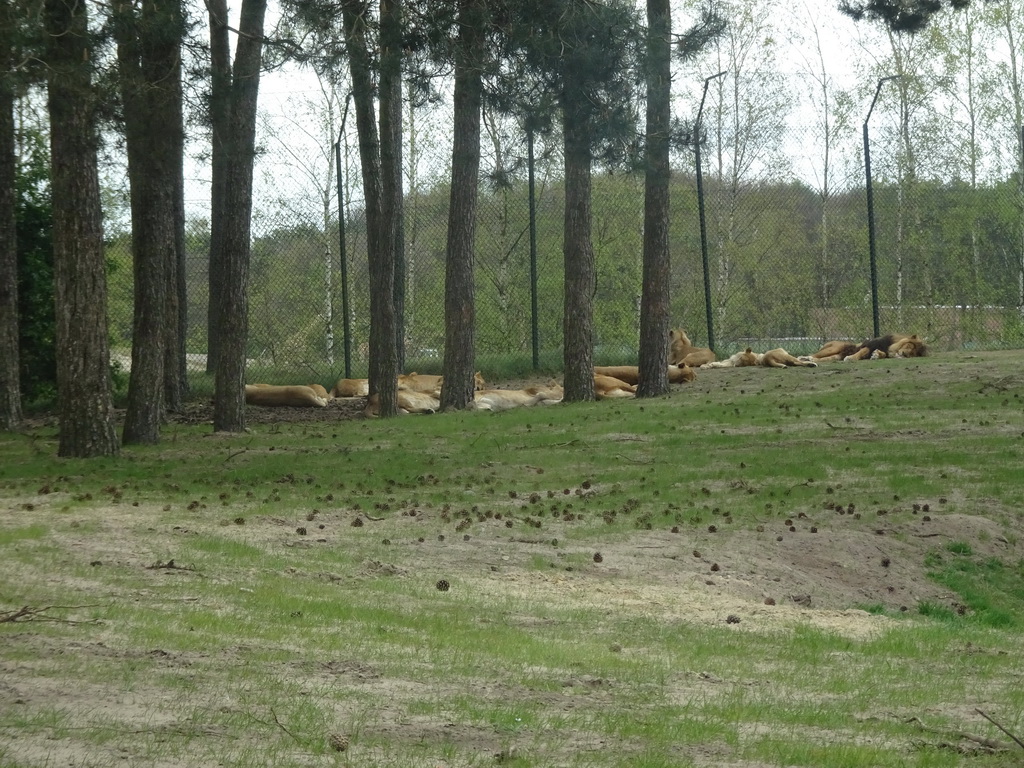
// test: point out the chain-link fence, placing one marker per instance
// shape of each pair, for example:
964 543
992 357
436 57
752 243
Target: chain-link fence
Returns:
785 261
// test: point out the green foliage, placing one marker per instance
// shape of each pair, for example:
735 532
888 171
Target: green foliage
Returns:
37 323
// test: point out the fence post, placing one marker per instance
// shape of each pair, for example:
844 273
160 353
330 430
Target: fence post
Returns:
871 213
700 209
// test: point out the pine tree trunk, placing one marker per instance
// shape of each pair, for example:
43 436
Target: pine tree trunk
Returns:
380 223
229 388
459 300
10 388
176 311
578 254
220 119
147 55
391 156
655 305
83 353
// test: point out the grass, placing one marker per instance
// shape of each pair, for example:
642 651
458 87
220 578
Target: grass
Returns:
238 600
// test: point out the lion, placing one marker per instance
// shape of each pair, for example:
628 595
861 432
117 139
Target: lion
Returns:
743 359
320 390
892 345
677 374
780 358
553 392
682 352
431 384
351 388
408 402
607 387
507 399
299 396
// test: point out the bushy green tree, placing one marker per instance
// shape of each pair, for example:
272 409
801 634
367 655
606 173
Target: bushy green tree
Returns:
34 219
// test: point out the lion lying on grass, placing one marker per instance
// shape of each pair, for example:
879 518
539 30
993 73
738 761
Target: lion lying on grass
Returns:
507 399
677 374
430 383
773 358
351 388
299 396
893 345
408 402
607 387
682 352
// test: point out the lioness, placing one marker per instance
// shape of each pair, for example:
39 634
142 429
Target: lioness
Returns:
408 402
677 374
606 387
507 399
320 390
780 358
740 360
351 388
275 395
682 352
430 383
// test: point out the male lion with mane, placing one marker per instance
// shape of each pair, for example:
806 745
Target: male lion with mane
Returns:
893 345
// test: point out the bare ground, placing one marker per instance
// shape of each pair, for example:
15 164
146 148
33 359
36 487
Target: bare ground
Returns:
812 570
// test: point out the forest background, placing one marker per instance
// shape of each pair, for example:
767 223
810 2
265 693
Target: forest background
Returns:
786 255
786 218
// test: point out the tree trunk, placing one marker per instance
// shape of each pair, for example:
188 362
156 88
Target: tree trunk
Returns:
654 306
83 354
578 254
391 156
459 301
229 388
176 312
10 388
148 60
380 224
220 119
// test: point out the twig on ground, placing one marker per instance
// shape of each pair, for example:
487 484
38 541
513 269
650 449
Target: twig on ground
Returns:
170 566
993 744
279 724
27 613
634 461
1001 728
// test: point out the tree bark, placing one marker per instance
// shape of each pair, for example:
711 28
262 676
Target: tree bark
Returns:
220 120
83 353
176 312
148 60
654 303
383 379
578 254
391 156
10 387
459 300
240 152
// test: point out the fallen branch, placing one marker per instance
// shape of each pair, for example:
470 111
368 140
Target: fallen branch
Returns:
994 744
27 613
997 725
170 566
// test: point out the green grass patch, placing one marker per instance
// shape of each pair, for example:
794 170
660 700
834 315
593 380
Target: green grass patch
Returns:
576 585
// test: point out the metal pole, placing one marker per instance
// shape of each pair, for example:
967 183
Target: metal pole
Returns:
876 325
534 309
342 256
700 209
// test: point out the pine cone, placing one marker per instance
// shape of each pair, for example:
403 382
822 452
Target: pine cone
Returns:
338 742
